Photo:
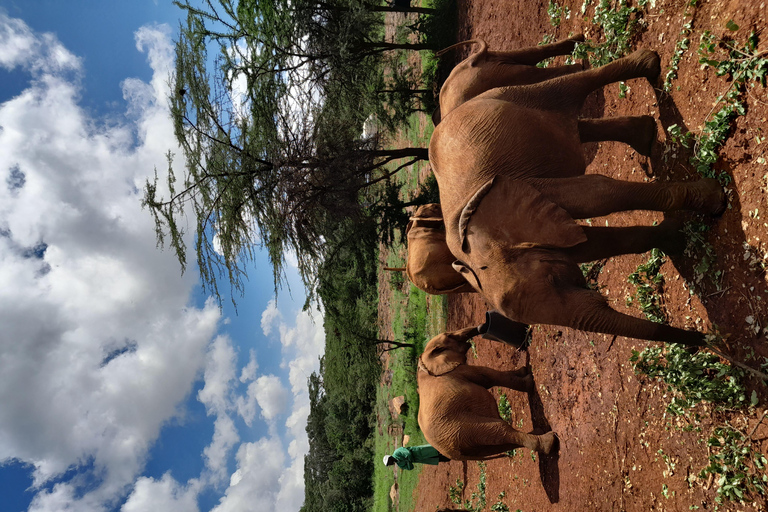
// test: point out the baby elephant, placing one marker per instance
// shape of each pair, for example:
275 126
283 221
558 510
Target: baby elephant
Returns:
457 414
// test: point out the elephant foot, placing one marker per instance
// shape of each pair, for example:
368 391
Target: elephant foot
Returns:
648 64
644 135
547 442
705 196
527 382
672 240
713 196
579 38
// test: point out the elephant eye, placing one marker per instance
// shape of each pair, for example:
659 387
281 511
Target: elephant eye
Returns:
484 267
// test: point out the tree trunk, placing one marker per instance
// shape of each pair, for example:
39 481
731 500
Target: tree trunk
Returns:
420 153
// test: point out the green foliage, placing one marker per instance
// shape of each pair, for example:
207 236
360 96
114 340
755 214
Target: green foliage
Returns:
505 409
591 272
703 252
338 468
477 500
746 68
439 30
547 39
739 470
619 24
649 283
694 377
499 506
682 45
557 13
454 492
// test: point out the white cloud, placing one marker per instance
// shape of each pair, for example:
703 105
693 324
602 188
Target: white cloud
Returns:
150 495
271 396
269 316
219 374
257 479
38 54
99 345
265 475
249 370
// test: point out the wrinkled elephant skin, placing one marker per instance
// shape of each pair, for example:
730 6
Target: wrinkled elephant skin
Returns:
457 413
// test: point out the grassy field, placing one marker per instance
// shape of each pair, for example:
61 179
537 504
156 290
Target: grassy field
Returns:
416 317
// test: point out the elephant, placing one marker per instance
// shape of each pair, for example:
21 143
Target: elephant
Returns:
430 261
457 414
511 174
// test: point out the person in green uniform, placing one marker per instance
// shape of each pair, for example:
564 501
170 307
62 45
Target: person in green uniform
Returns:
405 457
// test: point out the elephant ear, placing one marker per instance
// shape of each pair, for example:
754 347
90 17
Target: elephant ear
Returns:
513 211
438 359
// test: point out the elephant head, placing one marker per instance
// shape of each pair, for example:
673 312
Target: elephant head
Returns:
457 414
430 261
511 173
446 351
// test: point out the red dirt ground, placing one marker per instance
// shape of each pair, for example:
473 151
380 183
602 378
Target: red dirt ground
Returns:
617 448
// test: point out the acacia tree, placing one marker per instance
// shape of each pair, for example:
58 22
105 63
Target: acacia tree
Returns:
270 134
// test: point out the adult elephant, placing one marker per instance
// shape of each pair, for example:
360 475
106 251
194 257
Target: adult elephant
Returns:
510 168
457 414
429 265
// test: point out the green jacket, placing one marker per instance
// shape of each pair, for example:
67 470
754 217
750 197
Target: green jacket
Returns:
424 454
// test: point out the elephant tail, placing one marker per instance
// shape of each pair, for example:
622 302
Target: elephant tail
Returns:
394 269
483 46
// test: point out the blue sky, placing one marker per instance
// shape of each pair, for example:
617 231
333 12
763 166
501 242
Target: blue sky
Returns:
124 387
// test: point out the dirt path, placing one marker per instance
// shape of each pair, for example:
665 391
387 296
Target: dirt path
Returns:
618 449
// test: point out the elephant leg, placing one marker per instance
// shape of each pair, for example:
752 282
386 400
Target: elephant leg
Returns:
606 242
639 132
594 195
532 55
518 380
587 310
498 437
567 93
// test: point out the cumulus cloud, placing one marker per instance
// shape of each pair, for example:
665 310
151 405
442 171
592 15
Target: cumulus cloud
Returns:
271 396
257 479
42 55
95 320
270 471
100 345
269 316
150 495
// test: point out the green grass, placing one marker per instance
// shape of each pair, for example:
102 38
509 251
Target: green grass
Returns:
649 282
416 317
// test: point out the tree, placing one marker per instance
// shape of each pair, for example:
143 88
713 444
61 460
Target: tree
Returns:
270 135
